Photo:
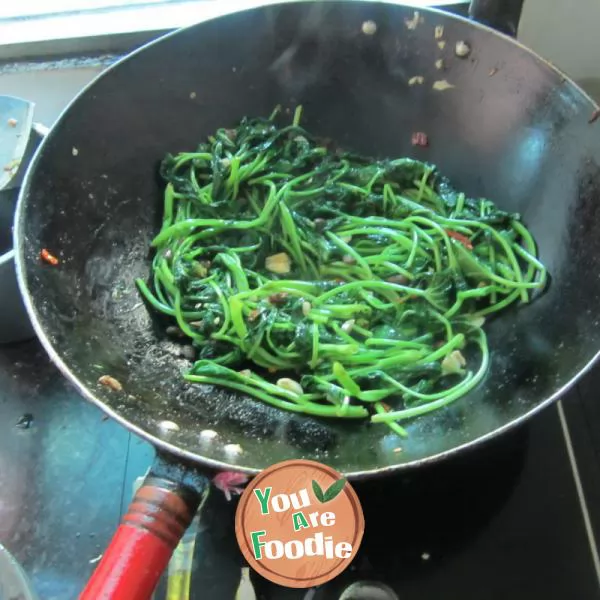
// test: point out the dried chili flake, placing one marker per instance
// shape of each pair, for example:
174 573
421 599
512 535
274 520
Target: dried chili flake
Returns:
594 116
230 483
253 315
419 139
459 237
398 279
48 258
278 298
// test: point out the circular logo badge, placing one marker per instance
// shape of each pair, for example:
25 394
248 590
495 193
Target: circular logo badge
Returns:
299 523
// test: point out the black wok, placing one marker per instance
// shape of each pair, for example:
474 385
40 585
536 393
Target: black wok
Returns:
512 128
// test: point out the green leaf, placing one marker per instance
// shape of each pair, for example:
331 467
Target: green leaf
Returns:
468 263
346 381
318 491
334 489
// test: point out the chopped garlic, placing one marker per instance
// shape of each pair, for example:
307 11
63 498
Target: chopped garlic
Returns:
441 44
453 362
306 308
439 32
412 23
168 426
416 80
442 85
232 449
369 27
290 385
439 64
278 263
348 325
477 321
462 49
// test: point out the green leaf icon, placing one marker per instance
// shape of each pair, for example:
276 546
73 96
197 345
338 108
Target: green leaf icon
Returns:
318 491
332 492
335 489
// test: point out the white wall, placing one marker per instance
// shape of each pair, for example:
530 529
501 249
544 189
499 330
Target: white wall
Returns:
567 33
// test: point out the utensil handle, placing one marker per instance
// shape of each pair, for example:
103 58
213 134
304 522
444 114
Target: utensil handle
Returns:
502 15
160 512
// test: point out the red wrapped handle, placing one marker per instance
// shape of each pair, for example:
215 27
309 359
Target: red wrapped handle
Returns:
159 514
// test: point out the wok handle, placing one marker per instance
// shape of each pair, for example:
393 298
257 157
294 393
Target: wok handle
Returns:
160 512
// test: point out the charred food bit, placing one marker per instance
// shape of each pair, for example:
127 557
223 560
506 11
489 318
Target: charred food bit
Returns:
110 382
278 298
419 139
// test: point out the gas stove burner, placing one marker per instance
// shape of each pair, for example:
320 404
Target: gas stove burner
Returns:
358 590
368 590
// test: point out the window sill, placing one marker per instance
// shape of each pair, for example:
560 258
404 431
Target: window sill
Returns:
119 29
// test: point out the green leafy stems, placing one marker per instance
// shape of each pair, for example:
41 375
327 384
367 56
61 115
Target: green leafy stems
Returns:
330 284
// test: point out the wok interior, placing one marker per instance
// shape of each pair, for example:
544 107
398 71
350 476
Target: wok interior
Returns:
519 136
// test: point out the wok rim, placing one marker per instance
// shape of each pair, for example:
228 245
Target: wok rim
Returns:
188 455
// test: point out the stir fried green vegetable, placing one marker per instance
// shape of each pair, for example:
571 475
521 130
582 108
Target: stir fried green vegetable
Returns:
332 284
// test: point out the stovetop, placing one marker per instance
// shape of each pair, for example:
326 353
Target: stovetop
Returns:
516 518
505 521
508 520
